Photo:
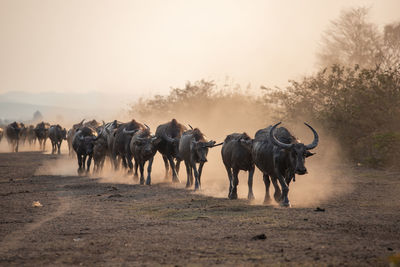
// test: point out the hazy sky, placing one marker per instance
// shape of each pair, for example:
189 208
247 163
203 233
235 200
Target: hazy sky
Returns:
148 46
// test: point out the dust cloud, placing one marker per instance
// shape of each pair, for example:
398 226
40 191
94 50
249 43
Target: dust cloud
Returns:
326 176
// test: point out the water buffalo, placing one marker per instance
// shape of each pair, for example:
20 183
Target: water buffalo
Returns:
143 146
170 134
193 149
30 135
279 156
83 144
99 153
56 135
42 133
13 132
236 156
107 134
92 124
70 136
121 145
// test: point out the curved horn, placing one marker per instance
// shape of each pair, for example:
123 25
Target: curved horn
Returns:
81 122
129 132
276 141
168 138
147 126
190 126
316 138
214 145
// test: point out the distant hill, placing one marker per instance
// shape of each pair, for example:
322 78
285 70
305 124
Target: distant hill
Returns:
61 106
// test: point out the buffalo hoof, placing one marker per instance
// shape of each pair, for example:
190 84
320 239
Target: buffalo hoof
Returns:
142 181
278 197
148 182
285 204
267 201
233 195
250 197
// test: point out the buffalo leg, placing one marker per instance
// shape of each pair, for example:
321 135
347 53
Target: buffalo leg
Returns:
267 182
175 178
200 171
148 180
188 172
229 171
141 168
250 195
235 182
88 163
135 175
196 176
79 163
130 164
59 147
166 166
83 162
277 194
177 165
285 191
124 164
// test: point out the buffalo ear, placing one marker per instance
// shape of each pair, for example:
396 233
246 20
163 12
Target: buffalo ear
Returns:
246 142
156 141
309 154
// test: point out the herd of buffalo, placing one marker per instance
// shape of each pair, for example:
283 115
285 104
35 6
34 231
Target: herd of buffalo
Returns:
275 151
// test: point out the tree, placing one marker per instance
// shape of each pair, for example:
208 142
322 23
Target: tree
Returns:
37 116
391 45
351 39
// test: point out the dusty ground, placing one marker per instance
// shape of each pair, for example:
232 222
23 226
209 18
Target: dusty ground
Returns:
85 222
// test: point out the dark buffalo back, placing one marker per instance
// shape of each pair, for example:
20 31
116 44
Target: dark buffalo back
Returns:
170 134
236 152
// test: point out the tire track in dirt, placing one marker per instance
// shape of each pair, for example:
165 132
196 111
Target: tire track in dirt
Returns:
13 241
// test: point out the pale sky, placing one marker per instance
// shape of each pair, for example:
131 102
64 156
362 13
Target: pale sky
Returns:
145 47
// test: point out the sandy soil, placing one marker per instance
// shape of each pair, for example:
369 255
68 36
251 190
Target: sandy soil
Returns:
89 221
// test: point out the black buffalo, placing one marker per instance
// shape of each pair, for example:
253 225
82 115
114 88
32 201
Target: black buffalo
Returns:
13 132
42 133
279 156
30 135
121 145
193 149
143 146
70 136
83 143
170 134
236 156
99 154
56 135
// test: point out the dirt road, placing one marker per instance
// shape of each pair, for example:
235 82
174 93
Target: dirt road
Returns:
83 221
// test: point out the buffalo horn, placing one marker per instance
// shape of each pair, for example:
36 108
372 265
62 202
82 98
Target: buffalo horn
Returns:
129 132
276 141
316 138
215 145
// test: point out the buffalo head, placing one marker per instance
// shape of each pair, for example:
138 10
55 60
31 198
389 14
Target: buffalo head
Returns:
297 151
